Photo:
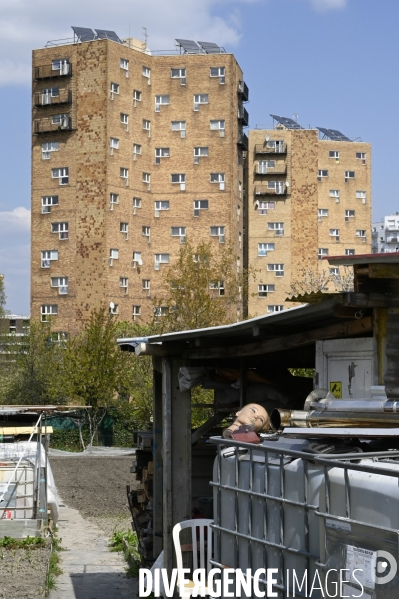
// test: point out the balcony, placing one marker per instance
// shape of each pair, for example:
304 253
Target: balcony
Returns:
243 90
48 72
392 240
268 170
243 116
47 125
263 190
278 148
47 99
242 140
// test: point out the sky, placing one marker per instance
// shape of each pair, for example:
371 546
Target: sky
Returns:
331 62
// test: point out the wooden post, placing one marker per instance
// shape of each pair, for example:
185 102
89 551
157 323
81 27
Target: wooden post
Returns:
158 466
176 455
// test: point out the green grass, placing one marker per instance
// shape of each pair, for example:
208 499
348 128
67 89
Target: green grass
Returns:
54 569
28 543
127 543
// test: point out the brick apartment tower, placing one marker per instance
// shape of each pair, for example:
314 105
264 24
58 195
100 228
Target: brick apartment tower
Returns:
307 198
132 153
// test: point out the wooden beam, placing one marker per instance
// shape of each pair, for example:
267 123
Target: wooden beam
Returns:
207 426
365 300
157 459
384 271
346 329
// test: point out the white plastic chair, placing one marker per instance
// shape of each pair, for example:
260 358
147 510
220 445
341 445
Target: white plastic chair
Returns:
201 546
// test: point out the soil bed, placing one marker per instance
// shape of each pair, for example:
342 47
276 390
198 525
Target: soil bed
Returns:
23 572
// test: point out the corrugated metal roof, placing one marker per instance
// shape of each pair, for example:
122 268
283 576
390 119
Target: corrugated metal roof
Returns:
385 258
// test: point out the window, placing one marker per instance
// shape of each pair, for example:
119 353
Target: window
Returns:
278 228
218 72
361 195
113 199
179 232
322 212
263 248
113 308
217 125
263 207
218 178
334 193
200 152
278 269
62 120
161 310
136 312
62 65
161 153
179 74
124 173
48 256
123 282
361 233
334 271
179 126
322 174
161 259
136 150
47 148
124 64
161 205
146 232
200 99
136 204
274 308
146 72
146 178
137 261
114 143
161 101
59 337
333 154
136 96
62 174
61 283
124 119
349 252
349 214
47 202
145 284
334 233
265 165
113 255
61 229
147 126
349 175
180 179
49 93
361 156
124 228
263 290
218 232
277 145
200 205
48 310
114 89
218 285
322 252
278 186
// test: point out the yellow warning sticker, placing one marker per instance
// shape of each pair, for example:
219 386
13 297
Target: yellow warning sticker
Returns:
336 389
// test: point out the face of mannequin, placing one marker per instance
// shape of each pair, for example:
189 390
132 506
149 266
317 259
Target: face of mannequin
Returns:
251 414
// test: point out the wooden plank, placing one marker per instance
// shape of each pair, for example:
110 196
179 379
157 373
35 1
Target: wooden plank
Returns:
384 271
157 463
207 426
365 300
336 331
167 465
24 430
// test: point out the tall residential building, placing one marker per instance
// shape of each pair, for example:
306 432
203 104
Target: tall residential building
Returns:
309 196
133 153
385 235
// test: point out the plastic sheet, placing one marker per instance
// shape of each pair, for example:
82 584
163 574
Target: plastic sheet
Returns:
97 452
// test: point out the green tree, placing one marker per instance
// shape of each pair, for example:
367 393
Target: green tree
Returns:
203 289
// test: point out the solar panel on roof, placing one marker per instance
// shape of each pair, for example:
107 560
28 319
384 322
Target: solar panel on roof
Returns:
107 35
333 134
288 123
210 48
84 34
189 46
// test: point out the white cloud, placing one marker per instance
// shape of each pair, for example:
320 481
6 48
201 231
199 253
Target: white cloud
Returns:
324 5
25 25
14 222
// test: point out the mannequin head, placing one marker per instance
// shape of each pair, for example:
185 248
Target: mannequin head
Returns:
253 415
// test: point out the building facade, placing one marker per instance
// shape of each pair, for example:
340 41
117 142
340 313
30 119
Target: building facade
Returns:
132 154
309 196
385 235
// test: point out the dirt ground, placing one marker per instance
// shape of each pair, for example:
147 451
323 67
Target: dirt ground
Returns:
23 573
96 486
